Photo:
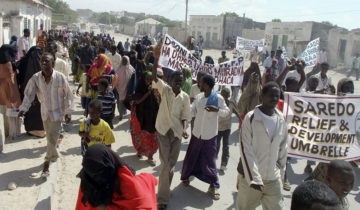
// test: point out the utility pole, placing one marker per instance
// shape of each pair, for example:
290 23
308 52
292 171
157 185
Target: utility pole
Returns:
186 15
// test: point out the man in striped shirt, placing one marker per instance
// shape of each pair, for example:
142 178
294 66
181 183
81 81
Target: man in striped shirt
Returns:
54 94
107 98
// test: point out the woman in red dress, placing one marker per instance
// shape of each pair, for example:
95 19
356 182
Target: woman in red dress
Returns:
108 183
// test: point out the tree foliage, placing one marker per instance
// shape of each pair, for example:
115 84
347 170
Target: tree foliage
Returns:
231 14
276 20
61 7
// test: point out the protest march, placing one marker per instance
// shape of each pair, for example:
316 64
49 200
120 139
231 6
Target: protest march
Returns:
150 113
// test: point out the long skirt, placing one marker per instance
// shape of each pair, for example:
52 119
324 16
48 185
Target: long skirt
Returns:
32 121
144 142
200 161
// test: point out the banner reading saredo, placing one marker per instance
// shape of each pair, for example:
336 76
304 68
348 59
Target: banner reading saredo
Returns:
175 56
248 44
311 53
322 127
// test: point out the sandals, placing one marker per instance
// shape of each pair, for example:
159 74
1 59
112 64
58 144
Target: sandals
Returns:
186 182
214 193
151 162
286 185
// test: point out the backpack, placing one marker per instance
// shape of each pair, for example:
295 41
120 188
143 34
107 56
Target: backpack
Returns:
85 141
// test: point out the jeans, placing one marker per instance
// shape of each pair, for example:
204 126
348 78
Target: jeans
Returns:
225 148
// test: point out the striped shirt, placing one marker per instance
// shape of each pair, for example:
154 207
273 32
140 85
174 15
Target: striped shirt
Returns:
55 97
108 101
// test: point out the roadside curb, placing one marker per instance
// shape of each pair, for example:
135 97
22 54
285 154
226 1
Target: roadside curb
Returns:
47 189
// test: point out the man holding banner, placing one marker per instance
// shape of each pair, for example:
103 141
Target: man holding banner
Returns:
171 124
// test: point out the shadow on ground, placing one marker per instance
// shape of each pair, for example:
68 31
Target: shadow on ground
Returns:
191 198
21 178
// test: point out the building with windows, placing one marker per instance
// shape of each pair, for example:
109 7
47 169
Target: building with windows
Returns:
218 31
340 44
148 26
18 15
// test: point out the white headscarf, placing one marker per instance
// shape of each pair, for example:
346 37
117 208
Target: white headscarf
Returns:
124 75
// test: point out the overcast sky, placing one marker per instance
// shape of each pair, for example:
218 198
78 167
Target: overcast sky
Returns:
344 13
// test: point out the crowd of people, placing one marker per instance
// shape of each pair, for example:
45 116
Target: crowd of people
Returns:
34 84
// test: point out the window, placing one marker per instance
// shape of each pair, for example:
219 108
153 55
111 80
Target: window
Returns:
26 23
215 28
275 42
356 47
342 48
284 40
214 36
208 28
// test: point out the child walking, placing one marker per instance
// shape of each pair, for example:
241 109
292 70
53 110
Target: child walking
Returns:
85 94
225 129
94 130
107 98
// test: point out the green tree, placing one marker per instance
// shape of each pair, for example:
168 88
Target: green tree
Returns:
61 7
231 14
276 20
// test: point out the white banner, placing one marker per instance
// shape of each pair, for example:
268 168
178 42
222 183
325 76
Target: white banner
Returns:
284 54
311 53
175 56
248 44
323 127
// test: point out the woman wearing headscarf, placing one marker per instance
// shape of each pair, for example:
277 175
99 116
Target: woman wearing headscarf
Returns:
143 118
9 91
186 86
28 66
108 183
125 71
100 68
120 48
209 60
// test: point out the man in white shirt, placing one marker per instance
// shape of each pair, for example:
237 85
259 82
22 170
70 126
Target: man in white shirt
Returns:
23 43
325 85
127 45
171 124
355 66
53 91
114 57
268 61
263 150
200 159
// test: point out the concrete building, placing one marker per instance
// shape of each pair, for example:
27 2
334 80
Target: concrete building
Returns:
148 26
342 46
216 30
339 43
210 27
21 14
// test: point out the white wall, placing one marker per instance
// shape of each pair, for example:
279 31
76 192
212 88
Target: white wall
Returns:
21 10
